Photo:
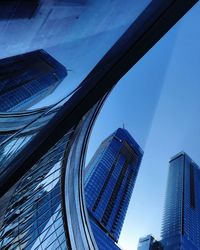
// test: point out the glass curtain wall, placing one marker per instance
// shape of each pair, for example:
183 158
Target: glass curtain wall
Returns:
43 148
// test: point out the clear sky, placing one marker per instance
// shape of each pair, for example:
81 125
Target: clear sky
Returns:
159 103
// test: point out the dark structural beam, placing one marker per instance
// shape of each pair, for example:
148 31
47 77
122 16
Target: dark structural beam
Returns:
148 28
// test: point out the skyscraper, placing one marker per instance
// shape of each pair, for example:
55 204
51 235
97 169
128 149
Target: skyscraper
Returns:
181 222
149 243
109 182
26 79
41 171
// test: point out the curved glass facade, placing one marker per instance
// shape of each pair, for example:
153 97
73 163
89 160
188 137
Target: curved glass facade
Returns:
42 159
33 215
70 31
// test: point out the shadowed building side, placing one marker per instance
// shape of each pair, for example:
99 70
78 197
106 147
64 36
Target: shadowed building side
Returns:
18 9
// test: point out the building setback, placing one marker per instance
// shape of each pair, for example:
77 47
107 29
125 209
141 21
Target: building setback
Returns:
28 78
181 222
109 182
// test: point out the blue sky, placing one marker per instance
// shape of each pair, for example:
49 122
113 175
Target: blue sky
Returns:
159 103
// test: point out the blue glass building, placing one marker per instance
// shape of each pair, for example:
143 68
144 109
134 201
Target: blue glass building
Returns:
26 79
149 243
181 222
109 181
31 213
42 205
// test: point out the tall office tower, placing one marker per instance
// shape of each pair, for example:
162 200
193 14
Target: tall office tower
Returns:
109 182
181 222
149 243
41 187
26 79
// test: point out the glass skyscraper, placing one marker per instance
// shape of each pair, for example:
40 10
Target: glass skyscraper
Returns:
181 222
26 79
109 182
149 243
42 205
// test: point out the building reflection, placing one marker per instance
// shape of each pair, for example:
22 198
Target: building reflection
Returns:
34 205
32 215
28 78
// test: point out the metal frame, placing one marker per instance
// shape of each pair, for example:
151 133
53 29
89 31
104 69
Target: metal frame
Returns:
146 30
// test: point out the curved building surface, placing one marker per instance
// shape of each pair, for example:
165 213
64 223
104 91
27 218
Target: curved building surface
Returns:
41 189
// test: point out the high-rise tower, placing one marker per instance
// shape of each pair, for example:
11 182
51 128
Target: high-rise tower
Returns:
110 178
26 79
38 177
181 222
149 243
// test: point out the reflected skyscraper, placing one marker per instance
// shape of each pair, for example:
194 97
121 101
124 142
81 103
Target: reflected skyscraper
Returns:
109 182
41 180
32 211
181 222
149 243
26 79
